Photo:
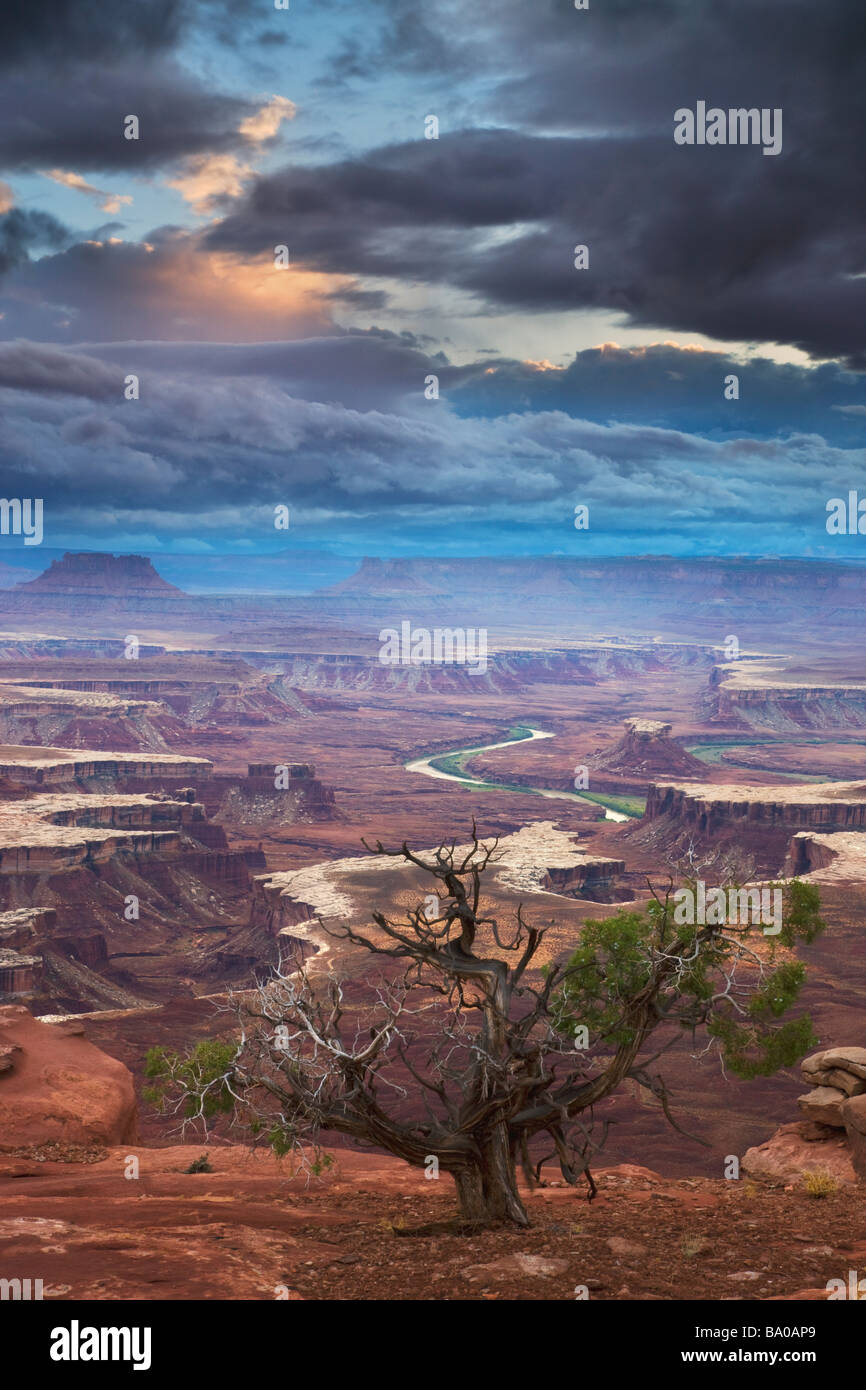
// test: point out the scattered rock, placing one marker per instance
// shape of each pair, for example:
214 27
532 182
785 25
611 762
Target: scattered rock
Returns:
511 1265
618 1245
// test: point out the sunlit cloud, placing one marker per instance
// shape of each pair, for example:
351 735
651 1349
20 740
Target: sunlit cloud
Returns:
207 180
265 123
109 202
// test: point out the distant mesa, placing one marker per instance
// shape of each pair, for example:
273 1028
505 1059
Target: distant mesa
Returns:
94 574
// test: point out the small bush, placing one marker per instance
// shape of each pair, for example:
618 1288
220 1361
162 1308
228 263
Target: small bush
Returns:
692 1245
200 1165
819 1184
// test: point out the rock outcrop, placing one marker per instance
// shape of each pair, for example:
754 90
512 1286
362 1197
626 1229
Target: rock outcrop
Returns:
831 1139
55 1086
36 715
838 1096
67 768
645 752
708 808
798 1149
273 795
745 694
836 858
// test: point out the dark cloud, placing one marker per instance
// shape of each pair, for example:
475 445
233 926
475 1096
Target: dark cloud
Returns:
65 30
212 446
23 230
660 385
60 32
166 288
79 123
722 241
664 385
366 371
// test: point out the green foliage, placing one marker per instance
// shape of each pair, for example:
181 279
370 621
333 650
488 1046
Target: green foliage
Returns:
281 1138
201 1164
751 1051
609 967
625 958
203 1077
322 1162
801 919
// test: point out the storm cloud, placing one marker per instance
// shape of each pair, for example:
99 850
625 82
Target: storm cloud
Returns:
711 240
203 451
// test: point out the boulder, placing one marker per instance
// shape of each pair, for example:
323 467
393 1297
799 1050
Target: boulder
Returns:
824 1104
843 1081
854 1119
851 1059
831 1067
59 1086
793 1151
811 1066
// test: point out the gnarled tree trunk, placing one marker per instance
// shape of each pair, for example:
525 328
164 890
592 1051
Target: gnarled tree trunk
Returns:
487 1193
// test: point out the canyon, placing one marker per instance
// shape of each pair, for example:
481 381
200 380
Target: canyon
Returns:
175 823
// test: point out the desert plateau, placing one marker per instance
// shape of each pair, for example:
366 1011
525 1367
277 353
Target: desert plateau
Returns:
432 681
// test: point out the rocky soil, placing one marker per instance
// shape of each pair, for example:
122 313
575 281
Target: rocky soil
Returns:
370 1228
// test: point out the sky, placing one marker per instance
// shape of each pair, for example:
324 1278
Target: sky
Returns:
423 369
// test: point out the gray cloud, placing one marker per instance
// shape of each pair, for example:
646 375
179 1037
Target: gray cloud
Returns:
78 123
719 241
209 453
42 368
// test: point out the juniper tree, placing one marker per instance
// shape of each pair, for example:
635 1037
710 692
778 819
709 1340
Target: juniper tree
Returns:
462 1048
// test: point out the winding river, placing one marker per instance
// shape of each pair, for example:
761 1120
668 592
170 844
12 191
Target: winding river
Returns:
449 767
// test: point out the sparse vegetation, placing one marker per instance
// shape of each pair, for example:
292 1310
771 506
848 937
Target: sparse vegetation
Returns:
692 1245
819 1184
202 1164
